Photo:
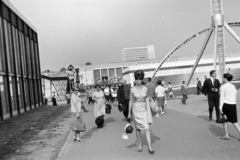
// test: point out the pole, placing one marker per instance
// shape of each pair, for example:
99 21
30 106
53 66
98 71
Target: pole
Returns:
200 53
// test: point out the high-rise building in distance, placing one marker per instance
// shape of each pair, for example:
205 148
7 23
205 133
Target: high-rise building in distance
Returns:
138 53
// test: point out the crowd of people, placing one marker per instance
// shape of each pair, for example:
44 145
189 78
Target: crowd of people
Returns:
133 102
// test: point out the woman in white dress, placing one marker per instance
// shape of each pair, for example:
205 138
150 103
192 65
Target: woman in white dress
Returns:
99 102
138 110
76 109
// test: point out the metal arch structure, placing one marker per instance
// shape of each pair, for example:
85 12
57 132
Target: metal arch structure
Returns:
232 24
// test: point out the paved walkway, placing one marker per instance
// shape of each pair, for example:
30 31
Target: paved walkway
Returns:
175 135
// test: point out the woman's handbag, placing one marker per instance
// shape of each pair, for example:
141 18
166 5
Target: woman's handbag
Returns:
154 107
120 108
222 119
99 121
83 107
108 109
127 130
79 126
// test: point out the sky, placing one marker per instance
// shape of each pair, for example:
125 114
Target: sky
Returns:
96 31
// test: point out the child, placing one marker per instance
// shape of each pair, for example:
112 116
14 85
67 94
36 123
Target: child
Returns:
77 133
68 99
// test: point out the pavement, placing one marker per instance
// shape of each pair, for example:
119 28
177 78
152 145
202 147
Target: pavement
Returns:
175 135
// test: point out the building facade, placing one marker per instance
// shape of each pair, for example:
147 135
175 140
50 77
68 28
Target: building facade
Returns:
138 53
20 75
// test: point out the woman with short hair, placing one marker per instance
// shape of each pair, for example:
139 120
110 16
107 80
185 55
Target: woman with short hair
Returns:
139 111
228 96
160 96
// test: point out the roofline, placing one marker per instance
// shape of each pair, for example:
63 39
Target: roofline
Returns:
11 6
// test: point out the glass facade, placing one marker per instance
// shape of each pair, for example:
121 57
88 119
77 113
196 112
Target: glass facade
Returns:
20 78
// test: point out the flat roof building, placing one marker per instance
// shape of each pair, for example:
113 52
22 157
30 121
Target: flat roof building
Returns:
20 75
138 53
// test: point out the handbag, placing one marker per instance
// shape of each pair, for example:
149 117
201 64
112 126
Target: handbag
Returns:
222 119
79 126
99 121
83 107
153 106
108 109
120 108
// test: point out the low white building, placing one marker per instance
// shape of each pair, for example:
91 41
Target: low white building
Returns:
179 70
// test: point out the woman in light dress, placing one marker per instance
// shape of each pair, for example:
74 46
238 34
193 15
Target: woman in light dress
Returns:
76 109
138 110
99 102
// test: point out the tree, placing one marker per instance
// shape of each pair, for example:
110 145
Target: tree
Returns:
88 63
63 69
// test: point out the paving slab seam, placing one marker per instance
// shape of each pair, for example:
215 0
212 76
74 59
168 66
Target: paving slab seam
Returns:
64 146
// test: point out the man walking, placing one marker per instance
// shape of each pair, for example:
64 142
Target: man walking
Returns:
170 90
151 89
184 92
199 87
211 89
123 97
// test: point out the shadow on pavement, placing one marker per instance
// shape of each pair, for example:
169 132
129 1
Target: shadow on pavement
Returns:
89 133
144 140
108 120
219 131
204 117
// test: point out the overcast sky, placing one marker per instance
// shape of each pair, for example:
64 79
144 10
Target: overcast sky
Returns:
96 31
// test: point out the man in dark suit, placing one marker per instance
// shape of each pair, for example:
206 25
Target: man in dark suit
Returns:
211 89
123 97
199 86
184 92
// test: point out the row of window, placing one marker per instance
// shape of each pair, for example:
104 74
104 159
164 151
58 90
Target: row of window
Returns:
20 49
25 89
104 73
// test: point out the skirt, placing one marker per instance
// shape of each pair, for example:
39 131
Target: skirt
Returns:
160 101
139 113
230 110
99 108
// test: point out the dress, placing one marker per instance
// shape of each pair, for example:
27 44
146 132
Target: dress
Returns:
75 102
99 106
139 108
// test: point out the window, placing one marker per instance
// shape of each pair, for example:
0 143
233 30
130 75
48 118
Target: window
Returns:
2 60
4 97
119 72
33 59
26 93
111 72
23 54
20 92
96 74
13 93
8 46
28 54
16 50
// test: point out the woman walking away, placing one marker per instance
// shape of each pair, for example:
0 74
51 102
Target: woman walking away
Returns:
228 96
139 111
99 102
76 109
107 94
160 94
